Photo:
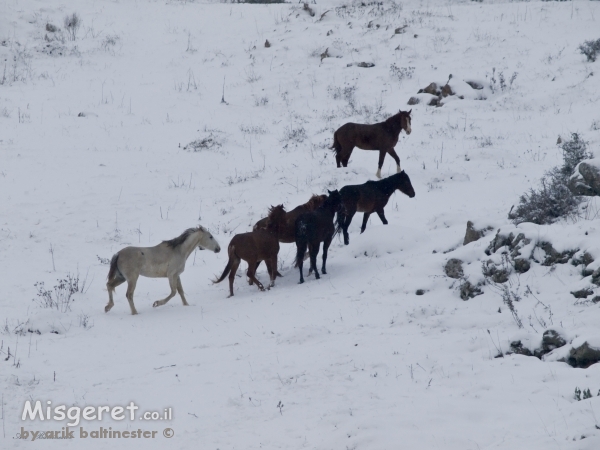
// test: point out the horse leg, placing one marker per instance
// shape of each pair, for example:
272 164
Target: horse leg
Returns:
130 289
272 268
326 244
257 264
394 155
314 251
380 164
346 157
250 282
381 215
346 225
110 286
251 274
234 267
180 291
173 285
338 160
364 224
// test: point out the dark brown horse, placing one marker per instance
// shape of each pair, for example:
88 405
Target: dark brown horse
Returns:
258 245
315 227
382 136
368 198
287 233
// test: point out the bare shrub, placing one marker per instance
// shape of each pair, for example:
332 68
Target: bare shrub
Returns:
389 10
590 49
401 73
207 143
61 296
109 42
294 133
72 24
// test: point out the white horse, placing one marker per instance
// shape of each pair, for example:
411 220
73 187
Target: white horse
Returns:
166 260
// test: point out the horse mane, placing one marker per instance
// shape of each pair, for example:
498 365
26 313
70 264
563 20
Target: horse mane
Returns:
396 117
176 242
315 201
276 217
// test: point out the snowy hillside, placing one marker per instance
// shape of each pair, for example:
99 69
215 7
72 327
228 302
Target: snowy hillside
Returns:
151 117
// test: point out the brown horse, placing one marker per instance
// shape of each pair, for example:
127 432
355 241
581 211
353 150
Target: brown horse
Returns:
382 136
368 198
258 245
286 234
315 227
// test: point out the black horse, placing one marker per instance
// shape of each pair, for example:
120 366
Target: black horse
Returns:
315 227
368 198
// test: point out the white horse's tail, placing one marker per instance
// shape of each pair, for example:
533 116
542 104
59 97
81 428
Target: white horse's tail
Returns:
114 271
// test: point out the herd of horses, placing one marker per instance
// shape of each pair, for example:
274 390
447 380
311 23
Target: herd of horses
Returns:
307 225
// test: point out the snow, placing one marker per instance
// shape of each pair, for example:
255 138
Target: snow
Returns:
357 359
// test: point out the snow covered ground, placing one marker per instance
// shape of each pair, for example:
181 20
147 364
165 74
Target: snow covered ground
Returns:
93 157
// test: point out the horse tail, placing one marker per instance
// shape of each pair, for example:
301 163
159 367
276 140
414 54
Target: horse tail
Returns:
114 270
336 147
339 222
301 241
231 252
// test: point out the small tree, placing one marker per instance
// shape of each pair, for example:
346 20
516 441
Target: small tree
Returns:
553 199
574 151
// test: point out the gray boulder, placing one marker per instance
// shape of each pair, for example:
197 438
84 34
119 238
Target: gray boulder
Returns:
583 356
453 268
586 179
467 291
472 234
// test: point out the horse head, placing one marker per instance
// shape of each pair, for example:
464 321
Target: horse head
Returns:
404 185
276 218
405 121
334 201
207 241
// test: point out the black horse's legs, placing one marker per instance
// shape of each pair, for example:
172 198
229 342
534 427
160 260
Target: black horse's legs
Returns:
364 224
346 157
381 215
338 160
314 251
250 282
326 244
394 155
300 265
380 164
346 225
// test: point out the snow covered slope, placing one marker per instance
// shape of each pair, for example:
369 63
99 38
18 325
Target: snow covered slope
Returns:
94 156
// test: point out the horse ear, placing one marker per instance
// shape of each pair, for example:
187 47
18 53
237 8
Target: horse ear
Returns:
329 192
409 111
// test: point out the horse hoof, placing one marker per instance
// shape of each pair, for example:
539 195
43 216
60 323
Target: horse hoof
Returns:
323 272
134 313
107 308
229 296
155 304
301 281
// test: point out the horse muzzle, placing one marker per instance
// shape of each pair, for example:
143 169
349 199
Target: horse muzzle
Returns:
217 250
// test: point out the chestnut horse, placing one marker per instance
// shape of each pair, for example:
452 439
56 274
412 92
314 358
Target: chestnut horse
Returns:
382 136
315 227
368 198
259 245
